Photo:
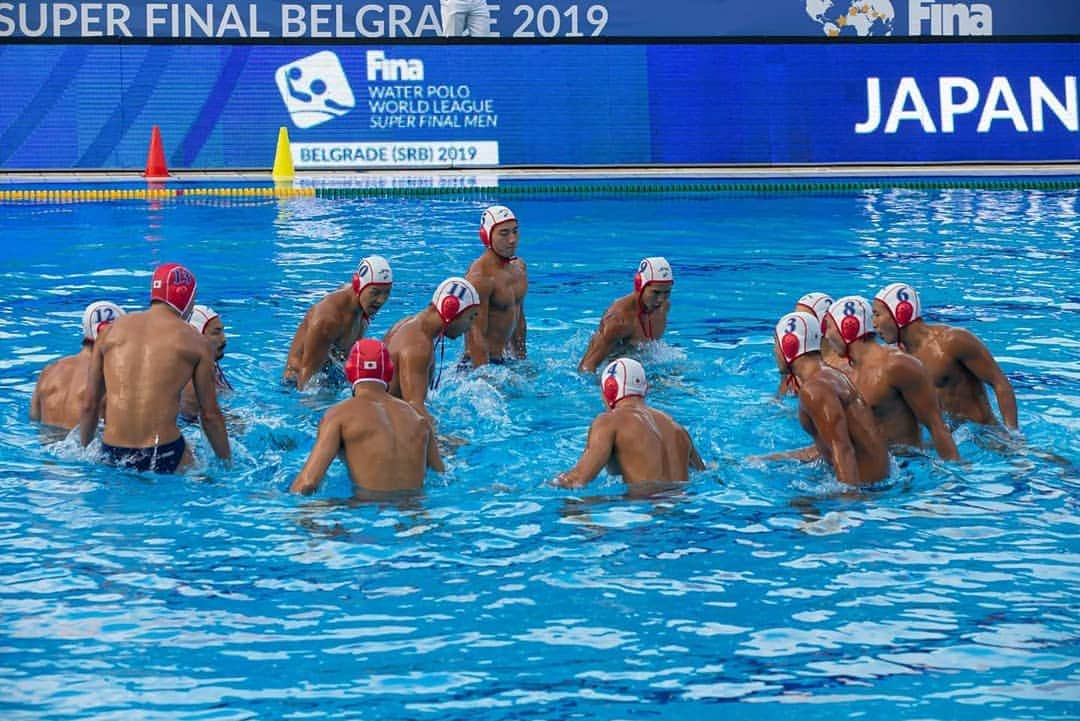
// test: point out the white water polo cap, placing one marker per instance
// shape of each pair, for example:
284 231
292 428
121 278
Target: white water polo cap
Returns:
373 270
797 334
453 297
853 316
652 270
200 316
902 302
98 315
816 304
623 377
493 216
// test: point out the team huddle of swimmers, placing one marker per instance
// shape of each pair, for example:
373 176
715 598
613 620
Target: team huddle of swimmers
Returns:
858 398
142 371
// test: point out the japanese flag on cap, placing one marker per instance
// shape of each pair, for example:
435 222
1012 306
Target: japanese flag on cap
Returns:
816 304
652 270
493 216
369 360
200 316
175 285
853 316
98 315
623 377
798 334
902 302
453 297
373 270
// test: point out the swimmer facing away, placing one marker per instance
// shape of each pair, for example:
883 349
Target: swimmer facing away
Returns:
958 362
816 304
386 444
631 439
831 410
331 326
140 366
62 386
501 280
633 319
413 341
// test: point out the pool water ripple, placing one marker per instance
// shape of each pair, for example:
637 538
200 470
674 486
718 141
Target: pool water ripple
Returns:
946 593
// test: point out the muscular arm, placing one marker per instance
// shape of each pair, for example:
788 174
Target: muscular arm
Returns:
517 341
918 392
695 460
35 399
327 445
599 445
434 460
977 359
826 415
413 379
476 341
610 332
316 351
210 418
95 391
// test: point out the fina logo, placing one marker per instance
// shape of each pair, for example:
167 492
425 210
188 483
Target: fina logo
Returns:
948 19
315 89
380 67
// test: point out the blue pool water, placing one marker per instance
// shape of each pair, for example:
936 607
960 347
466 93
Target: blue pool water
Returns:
757 591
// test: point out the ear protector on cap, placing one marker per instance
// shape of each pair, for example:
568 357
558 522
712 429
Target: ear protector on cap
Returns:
174 285
798 334
98 315
623 377
453 297
369 360
493 216
816 304
652 270
853 316
373 270
902 302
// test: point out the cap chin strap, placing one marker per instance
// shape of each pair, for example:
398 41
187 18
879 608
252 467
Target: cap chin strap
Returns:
643 316
791 382
440 343
219 376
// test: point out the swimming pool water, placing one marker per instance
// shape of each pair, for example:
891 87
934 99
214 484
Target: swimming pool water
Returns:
757 591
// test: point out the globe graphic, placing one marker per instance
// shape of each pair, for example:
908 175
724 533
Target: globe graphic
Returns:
862 18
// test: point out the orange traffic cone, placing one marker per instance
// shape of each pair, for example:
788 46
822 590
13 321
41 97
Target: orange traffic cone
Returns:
155 158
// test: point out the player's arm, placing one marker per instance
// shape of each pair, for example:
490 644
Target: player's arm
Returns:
610 332
210 417
95 392
189 404
412 373
327 444
517 340
476 340
35 399
434 459
976 358
803 455
599 446
316 351
919 393
695 459
824 410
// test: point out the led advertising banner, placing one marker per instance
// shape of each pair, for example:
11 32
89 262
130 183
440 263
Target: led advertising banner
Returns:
93 106
364 21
